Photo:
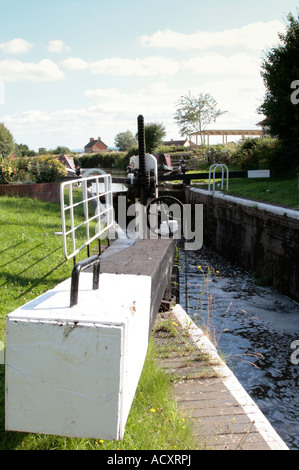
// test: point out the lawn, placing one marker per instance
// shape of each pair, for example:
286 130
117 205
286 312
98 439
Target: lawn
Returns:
282 191
31 263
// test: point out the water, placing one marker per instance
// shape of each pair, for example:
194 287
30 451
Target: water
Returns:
254 328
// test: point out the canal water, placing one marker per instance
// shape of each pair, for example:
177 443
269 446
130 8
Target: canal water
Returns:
253 327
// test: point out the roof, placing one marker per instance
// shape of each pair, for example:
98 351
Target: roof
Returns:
67 161
93 142
175 142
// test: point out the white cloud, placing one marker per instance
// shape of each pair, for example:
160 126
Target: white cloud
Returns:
254 36
152 101
57 45
148 66
75 63
14 70
16 46
238 64
109 111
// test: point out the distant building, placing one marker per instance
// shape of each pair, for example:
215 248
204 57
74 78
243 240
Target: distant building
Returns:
265 127
177 143
67 161
95 145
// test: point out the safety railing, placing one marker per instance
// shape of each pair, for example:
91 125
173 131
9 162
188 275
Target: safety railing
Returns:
223 169
86 215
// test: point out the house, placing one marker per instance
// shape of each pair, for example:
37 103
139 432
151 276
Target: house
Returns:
95 145
67 161
177 143
265 127
69 164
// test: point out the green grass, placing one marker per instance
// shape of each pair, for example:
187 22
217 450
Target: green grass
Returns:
32 259
32 262
278 191
282 191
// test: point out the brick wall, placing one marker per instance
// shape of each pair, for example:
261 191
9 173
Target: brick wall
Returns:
261 241
49 192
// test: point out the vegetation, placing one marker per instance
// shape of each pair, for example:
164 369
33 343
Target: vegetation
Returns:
154 133
6 142
109 160
44 169
281 191
124 141
280 72
193 113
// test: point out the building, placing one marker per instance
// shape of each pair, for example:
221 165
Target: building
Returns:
177 143
95 145
67 161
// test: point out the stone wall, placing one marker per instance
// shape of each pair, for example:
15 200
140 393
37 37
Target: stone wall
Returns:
258 237
49 192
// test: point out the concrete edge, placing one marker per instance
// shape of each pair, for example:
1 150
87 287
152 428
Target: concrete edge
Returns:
230 381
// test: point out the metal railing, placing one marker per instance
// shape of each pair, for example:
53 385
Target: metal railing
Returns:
82 209
223 169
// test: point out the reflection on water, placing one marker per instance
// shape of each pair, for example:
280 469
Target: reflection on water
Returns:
253 327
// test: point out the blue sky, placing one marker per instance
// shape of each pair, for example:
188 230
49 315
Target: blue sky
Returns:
71 70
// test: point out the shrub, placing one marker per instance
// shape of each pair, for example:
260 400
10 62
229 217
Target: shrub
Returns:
253 153
111 160
44 169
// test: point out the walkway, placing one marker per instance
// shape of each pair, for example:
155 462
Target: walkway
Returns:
223 415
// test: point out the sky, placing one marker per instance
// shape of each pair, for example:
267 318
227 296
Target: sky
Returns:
71 70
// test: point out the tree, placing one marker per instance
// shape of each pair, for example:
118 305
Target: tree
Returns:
61 150
124 141
6 141
195 113
22 150
154 133
280 72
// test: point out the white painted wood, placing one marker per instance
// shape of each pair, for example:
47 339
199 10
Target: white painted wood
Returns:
258 173
74 371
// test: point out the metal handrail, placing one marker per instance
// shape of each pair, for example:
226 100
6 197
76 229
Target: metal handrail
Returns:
213 168
103 215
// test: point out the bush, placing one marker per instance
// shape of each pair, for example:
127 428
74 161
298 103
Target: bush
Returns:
111 160
44 169
253 153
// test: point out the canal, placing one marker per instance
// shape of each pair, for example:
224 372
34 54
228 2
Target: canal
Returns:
253 328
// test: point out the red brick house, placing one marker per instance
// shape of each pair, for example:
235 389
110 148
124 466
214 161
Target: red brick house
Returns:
95 145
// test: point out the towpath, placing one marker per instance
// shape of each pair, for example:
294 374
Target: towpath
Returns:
223 415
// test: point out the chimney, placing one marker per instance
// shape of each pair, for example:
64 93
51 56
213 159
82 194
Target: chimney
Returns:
99 138
91 139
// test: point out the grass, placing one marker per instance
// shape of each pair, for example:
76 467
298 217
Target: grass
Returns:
278 191
32 262
282 191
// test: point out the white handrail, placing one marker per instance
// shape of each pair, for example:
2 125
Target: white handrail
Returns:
213 168
71 198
